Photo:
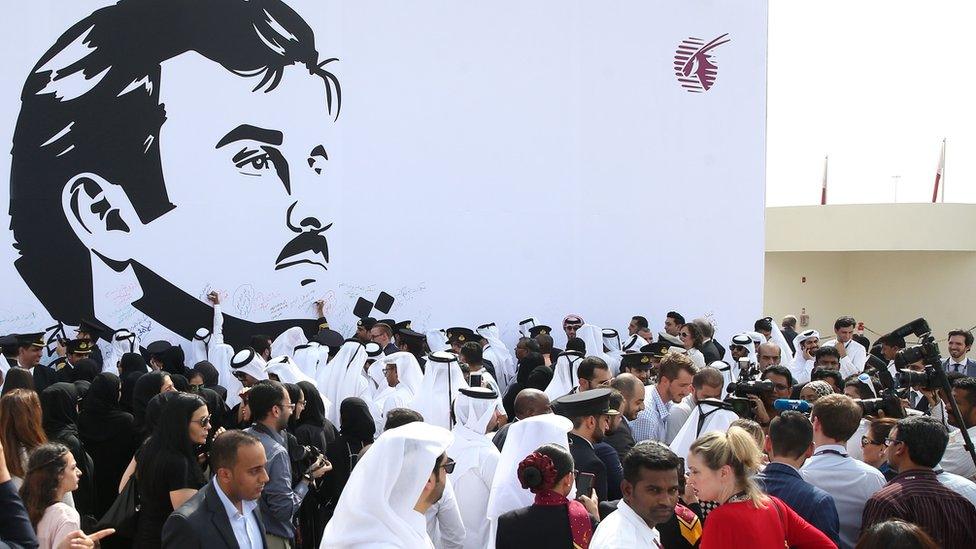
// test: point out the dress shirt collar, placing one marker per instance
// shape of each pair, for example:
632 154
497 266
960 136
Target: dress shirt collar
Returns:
633 518
831 449
247 506
572 434
781 468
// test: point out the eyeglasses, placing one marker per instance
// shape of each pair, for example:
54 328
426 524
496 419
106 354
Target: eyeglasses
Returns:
289 406
448 465
865 441
684 334
890 441
780 386
202 422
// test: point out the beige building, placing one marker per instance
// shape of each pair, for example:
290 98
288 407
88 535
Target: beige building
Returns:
884 264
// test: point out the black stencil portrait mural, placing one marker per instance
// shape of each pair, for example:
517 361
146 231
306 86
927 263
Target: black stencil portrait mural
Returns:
117 169
452 163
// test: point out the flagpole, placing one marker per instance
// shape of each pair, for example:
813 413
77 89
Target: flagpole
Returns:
938 175
823 189
943 169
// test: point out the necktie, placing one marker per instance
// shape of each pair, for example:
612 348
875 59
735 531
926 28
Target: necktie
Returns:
957 367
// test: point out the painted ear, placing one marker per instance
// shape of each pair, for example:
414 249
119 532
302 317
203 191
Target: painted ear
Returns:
100 214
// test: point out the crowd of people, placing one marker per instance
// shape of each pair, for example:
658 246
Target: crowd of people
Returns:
447 438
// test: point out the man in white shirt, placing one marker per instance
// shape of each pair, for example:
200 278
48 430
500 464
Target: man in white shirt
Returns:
850 482
650 489
956 459
853 355
226 508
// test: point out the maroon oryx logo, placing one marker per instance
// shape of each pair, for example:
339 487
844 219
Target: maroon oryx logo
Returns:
694 65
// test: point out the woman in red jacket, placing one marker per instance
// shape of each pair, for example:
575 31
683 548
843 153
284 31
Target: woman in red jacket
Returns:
721 467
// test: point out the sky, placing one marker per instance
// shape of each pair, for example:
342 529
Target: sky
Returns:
876 85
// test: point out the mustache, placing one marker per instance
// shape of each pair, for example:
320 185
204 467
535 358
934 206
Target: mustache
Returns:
305 242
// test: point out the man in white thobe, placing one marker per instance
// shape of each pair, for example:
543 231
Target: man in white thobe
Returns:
401 476
476 459
806 344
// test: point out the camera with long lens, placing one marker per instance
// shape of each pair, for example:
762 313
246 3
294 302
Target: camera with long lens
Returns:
927 352
758 387
871 406
927 379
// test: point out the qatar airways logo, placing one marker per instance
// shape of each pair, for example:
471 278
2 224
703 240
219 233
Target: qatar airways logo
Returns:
695 64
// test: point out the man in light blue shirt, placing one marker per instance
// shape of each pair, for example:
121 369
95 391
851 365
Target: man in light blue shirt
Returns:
675 374
850 482
224 513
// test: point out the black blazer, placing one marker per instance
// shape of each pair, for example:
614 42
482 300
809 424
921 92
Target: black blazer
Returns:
202 522
711 351
536 527
15 528
587 461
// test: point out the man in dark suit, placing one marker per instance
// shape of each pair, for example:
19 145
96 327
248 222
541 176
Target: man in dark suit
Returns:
590 412
30 347
960 342
788 327
710 348
225 512
789 444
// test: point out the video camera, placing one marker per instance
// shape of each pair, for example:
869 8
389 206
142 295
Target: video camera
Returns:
927 379
890 406
758 387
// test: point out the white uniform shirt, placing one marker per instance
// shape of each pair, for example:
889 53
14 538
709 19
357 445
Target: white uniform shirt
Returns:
849 481
960 485
956 459
623 529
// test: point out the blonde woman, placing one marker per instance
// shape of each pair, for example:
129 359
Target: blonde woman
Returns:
721 467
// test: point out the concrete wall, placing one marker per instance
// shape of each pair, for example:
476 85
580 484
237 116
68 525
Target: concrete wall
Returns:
883 289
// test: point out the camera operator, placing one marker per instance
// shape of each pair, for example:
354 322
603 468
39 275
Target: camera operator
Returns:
825 359
890 345
782 382
956 459
271 407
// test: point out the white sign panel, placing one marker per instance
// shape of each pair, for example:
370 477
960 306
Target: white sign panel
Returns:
475 161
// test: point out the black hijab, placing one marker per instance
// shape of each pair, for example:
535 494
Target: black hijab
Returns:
84 370
314 413
101 414
209 373
173 360
147 386
18 378
59 408
131 367
356 422
155 409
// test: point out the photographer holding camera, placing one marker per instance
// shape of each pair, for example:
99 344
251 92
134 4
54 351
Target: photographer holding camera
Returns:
270 408
957 459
